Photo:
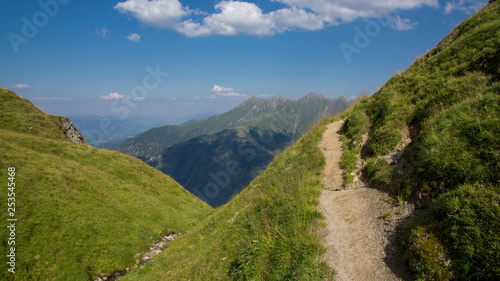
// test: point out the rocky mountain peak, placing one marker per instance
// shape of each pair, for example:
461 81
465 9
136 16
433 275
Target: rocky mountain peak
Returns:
312 96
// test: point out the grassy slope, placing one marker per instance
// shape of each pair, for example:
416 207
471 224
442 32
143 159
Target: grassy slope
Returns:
80 210
450 101
268 232
18 115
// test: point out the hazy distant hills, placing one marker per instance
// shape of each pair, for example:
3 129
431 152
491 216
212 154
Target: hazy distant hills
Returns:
103 129
202 155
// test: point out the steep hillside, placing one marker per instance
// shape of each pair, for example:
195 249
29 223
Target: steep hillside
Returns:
434 138
19 115
80 211
198 154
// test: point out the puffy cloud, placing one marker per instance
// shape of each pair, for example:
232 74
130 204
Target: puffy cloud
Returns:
159 13
398 23
335 11
224 92
234 18
219 89
21 86
299 18
134 37
111 96
239 17
466 6
247 18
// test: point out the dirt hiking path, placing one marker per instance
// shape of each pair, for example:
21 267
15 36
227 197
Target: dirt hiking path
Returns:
355 233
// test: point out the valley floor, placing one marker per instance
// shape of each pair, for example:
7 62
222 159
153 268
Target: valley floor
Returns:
362 243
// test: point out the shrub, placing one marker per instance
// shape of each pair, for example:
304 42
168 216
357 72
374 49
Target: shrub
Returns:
383 140
462 225
379 171
467 221
349 159
355 125
426 255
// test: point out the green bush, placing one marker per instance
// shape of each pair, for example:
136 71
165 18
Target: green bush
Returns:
383 140
355 125
427 256
467 221
379 171
349 159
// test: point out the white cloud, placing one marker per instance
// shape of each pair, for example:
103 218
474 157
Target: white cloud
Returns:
239 17
111 96
117 96
234 18
450 6
103 31
466 6
299 18
247 18
134 37
21 86
219 91
159 13
335 11
400 24
51 99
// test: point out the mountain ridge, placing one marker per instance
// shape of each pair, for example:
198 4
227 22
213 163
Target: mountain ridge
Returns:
278 120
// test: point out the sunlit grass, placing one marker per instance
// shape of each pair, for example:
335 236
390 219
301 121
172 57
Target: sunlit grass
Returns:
80 211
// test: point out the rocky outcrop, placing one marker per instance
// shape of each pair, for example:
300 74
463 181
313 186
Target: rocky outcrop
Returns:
72 132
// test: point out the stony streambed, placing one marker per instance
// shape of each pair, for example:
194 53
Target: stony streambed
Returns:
154 250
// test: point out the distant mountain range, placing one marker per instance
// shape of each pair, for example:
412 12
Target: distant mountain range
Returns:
103 129
215 158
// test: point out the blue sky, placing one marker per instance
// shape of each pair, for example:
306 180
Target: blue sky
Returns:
179 58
